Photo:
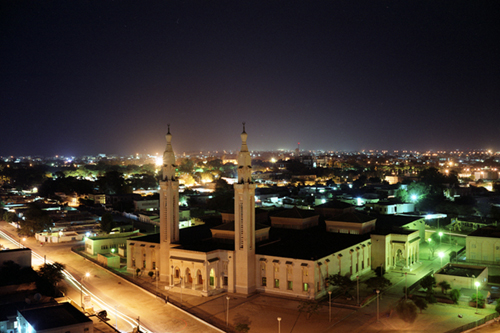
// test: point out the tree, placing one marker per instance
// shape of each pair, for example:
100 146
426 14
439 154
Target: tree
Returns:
10 217
407 310
444 286
309 307
421 303
35 220
50 276
243 328
378 283
343 282
107 222
150 273
428 283
455 295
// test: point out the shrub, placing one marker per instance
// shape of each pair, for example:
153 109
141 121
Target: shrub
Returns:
480 300
407 310
455 295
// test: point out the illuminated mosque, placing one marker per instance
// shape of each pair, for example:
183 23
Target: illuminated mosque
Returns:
240 257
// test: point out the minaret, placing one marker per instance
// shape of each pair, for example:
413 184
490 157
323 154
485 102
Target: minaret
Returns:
244 221
169 209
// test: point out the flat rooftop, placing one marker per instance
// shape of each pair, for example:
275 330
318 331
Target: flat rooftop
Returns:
461 271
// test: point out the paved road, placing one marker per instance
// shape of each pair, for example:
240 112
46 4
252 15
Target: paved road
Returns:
132 301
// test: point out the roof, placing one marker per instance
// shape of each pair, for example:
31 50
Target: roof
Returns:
336 204
308 244
153 238
60 315
295 213
352 217
230 226
489 231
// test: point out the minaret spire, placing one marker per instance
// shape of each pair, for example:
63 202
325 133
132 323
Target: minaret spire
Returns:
169 209
244 222
168 158
244 160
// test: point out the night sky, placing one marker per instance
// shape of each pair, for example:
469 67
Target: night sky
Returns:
89 77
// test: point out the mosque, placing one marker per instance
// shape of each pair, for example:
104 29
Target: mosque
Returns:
292 257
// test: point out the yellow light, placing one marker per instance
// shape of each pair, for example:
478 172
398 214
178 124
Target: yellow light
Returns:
159 161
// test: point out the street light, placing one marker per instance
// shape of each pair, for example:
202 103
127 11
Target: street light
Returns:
329 305
477 293
378 293
181 290
406 286
279 324
440 235
429 240
81 289
357 289
227 312
441 255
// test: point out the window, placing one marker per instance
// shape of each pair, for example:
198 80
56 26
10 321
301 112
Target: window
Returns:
225 280
290 285
264 281
144 264
473 246
104 247
305 287
86 329
276 283
154 264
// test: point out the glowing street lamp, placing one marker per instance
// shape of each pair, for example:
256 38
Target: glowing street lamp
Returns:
378 294
477 293
414 197
279 324
329 305
440 235
441 255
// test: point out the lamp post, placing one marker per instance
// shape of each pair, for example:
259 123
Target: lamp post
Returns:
441 255
477 294
329 305
227 312
181 290
357 289
378 294
81 289
279 324
157 278
406 286
429 240
440 235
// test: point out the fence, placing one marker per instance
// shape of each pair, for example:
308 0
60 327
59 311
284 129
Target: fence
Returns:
473 324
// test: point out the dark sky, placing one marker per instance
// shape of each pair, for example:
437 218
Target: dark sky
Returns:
88 77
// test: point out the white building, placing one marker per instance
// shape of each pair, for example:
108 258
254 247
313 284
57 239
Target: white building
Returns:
295 263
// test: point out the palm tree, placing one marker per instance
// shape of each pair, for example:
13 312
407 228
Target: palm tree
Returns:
444 286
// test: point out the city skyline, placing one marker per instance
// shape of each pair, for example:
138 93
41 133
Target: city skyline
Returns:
89 78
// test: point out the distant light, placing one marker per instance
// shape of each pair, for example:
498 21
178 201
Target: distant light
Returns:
273 160
414 197
441 254
323 200
350 185
159 161
359 201
440 234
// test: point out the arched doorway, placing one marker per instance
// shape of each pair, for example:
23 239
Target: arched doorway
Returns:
199 277
188 277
